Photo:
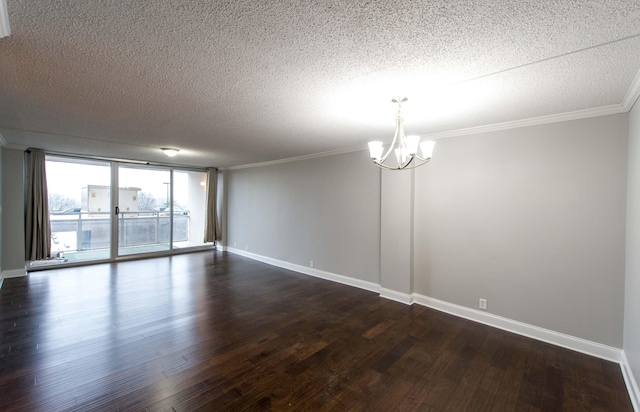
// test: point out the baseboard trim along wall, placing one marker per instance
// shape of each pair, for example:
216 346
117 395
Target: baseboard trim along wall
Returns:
545 335
397 296
14 273
524 329
345 280
630 381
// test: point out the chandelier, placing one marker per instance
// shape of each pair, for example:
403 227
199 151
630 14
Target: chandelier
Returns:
404 149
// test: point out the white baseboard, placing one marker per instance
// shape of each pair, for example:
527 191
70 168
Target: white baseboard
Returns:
397 296
545 335
14 273
630 381
345 280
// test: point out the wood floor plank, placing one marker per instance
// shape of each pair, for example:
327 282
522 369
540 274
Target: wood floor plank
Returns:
214 331
552 394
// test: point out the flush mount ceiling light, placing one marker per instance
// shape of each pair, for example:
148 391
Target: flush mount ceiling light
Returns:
405 149
170 152
5 30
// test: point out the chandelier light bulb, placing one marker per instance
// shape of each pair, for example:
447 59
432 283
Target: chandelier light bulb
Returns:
426 148
5 29
412 143
376 149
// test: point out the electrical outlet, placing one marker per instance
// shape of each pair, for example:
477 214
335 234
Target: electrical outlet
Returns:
235 244
246 248
483 304
311 263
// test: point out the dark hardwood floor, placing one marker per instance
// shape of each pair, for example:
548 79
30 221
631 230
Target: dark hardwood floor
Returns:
211 331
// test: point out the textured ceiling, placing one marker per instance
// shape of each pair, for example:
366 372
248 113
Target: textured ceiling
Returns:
240 81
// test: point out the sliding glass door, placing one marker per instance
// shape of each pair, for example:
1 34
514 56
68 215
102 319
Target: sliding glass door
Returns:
154 209
144 208
189 208
79 209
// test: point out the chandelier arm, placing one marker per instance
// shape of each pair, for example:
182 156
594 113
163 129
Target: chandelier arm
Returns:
393 144
424 159
382 166
416 165
404 166
384 158
414 161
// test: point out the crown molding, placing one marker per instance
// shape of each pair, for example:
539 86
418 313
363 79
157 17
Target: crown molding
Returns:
534 121
633 93
15 147
5 30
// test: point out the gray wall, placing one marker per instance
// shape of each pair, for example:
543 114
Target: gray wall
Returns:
632 288
12 210
324 209
532 219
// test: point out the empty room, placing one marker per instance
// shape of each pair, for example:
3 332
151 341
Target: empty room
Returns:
341 206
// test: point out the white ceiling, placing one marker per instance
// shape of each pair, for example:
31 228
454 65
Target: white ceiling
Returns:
235 82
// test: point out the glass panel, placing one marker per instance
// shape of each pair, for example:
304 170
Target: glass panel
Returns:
79 209
144 220
189 204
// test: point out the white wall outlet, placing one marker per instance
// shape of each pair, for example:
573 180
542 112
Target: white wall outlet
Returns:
246 248
235 244
483 304
311 263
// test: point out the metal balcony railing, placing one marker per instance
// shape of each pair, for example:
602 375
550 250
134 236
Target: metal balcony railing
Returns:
78 231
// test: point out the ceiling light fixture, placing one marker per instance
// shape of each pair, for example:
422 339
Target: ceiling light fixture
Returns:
405 149
170 152
5 30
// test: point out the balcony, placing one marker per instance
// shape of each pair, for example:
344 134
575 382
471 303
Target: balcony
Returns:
81 236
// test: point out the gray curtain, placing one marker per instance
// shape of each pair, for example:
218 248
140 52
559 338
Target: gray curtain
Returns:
212 226
38 229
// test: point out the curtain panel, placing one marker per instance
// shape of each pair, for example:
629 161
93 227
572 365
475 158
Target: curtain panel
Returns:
37 225
212 225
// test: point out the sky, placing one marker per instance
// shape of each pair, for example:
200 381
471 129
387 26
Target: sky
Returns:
68 179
